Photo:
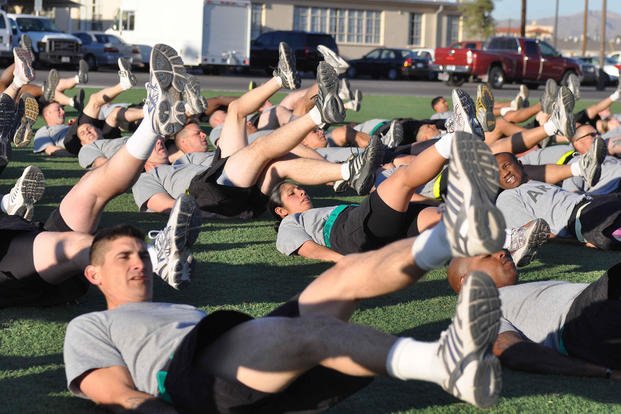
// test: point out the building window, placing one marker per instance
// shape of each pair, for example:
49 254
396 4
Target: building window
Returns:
127 20
346 25
256 20
452 29
416 25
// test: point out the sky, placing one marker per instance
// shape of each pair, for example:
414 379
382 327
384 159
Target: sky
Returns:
505 9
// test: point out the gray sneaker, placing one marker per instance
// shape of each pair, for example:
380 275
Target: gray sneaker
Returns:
126 78
362 167
485 108
25 42
28 189
338 63
163 106
562 115
27 113
393 137
464 114
549 96
591 161
573 83
192 96
327 100
49 87
472 373
474 225
23 65
286 69
524 92
525 241
345 92
83 71
172 244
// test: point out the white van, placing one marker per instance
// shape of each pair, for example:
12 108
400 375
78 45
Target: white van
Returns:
6 37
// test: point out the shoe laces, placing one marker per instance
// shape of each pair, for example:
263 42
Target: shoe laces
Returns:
161 244
518 238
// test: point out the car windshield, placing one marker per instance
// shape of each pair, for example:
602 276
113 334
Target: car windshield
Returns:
31 24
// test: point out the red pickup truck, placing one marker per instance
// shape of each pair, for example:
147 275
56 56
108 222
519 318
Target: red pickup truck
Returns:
503 60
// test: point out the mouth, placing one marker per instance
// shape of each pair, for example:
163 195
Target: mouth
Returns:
510 179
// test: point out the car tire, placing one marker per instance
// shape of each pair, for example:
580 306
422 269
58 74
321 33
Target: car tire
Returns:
91 61
392 74
532 86
352 72
455 80
496 77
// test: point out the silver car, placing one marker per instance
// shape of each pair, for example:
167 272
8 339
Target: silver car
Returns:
103 49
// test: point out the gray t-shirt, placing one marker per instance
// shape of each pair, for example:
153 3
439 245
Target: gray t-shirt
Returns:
608 181
49 135
538 310
338 154
215 133
547 155
296 229
138 336
197 158
101 148
535 199
442 115
369 126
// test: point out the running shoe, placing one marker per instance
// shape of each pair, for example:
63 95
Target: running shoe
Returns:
49 86
27 113
485 108
591 161
25 42
573 83
393 137
549 96
23 65
338 63
82 71
28 189
286 69
327 101
126 78
192 96
525 240
562 113
464 114
345 92
362 167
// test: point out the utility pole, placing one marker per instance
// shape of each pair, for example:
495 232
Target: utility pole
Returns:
602 40
584 26
556 24
523 23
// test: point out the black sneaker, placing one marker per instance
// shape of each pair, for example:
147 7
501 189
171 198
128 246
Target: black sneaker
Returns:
464 114
362 167
286 69
78 101
49 87
7 126
83 71
27 113
328 101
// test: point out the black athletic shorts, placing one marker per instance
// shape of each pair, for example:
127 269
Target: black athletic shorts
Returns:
192 391
582 117
592 329
72 142
372 224
222 199
599 219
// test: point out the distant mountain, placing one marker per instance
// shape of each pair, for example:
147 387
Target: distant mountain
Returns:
571 25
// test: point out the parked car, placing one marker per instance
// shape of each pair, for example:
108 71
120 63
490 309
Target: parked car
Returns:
6 38
468 44
505 59
383 63
610 69
422 64
264 49
103 49
589 69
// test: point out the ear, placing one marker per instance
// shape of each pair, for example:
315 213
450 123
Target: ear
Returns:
281 211
92 275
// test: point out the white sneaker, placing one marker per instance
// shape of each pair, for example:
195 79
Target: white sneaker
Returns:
126 78
591 161
393 137
526 239
192 96
23 65
473 373
172 244
28 189
338 63
345 92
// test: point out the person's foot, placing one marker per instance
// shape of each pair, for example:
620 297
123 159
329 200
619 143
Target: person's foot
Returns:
562 113
327 101
126 78
573 83
23 66
485 108
78 100
516 103
163 106
464 114
473 373
473 223
286 69
362 167
523 93
393 137
27 113
549 96
340 186
591 161
49 86
338 63
28 189
172 244
525 241
7 127
25 42
345 92
192 96
83 71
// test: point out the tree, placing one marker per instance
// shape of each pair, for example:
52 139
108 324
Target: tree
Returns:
477 18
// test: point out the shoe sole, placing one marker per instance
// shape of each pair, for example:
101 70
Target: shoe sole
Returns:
366 173
464 108
394 135
331 106
25 58
551 90
286 59
32 183
186 222
485 108
83 71
597 155
338 63
50 86
573 83
23 134
125 68
168 71
566 103
474 191
537 237
192 94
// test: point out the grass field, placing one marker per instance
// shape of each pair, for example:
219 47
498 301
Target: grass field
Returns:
239 267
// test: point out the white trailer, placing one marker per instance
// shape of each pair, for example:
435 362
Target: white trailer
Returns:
210 34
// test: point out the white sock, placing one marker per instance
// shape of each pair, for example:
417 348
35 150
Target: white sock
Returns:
345 170
4 204
279 80
615 96
142 141
443 145
576 171
349 105
504 111
431 249
152 254
77 79
507 239
18 83
315 115
550 128
410 359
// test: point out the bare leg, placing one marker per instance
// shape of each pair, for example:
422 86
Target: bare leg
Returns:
58 254
98 99
503 129
598 107
347 136
301 170
529 138
523 114
549 173
6 77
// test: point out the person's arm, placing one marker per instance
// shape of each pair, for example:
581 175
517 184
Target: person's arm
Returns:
518 353
160 203
312 250
50 149
99 161
114 388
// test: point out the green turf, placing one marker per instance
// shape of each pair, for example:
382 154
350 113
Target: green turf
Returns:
238 267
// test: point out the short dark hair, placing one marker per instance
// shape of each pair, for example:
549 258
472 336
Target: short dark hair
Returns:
435 100
275 200
109 234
